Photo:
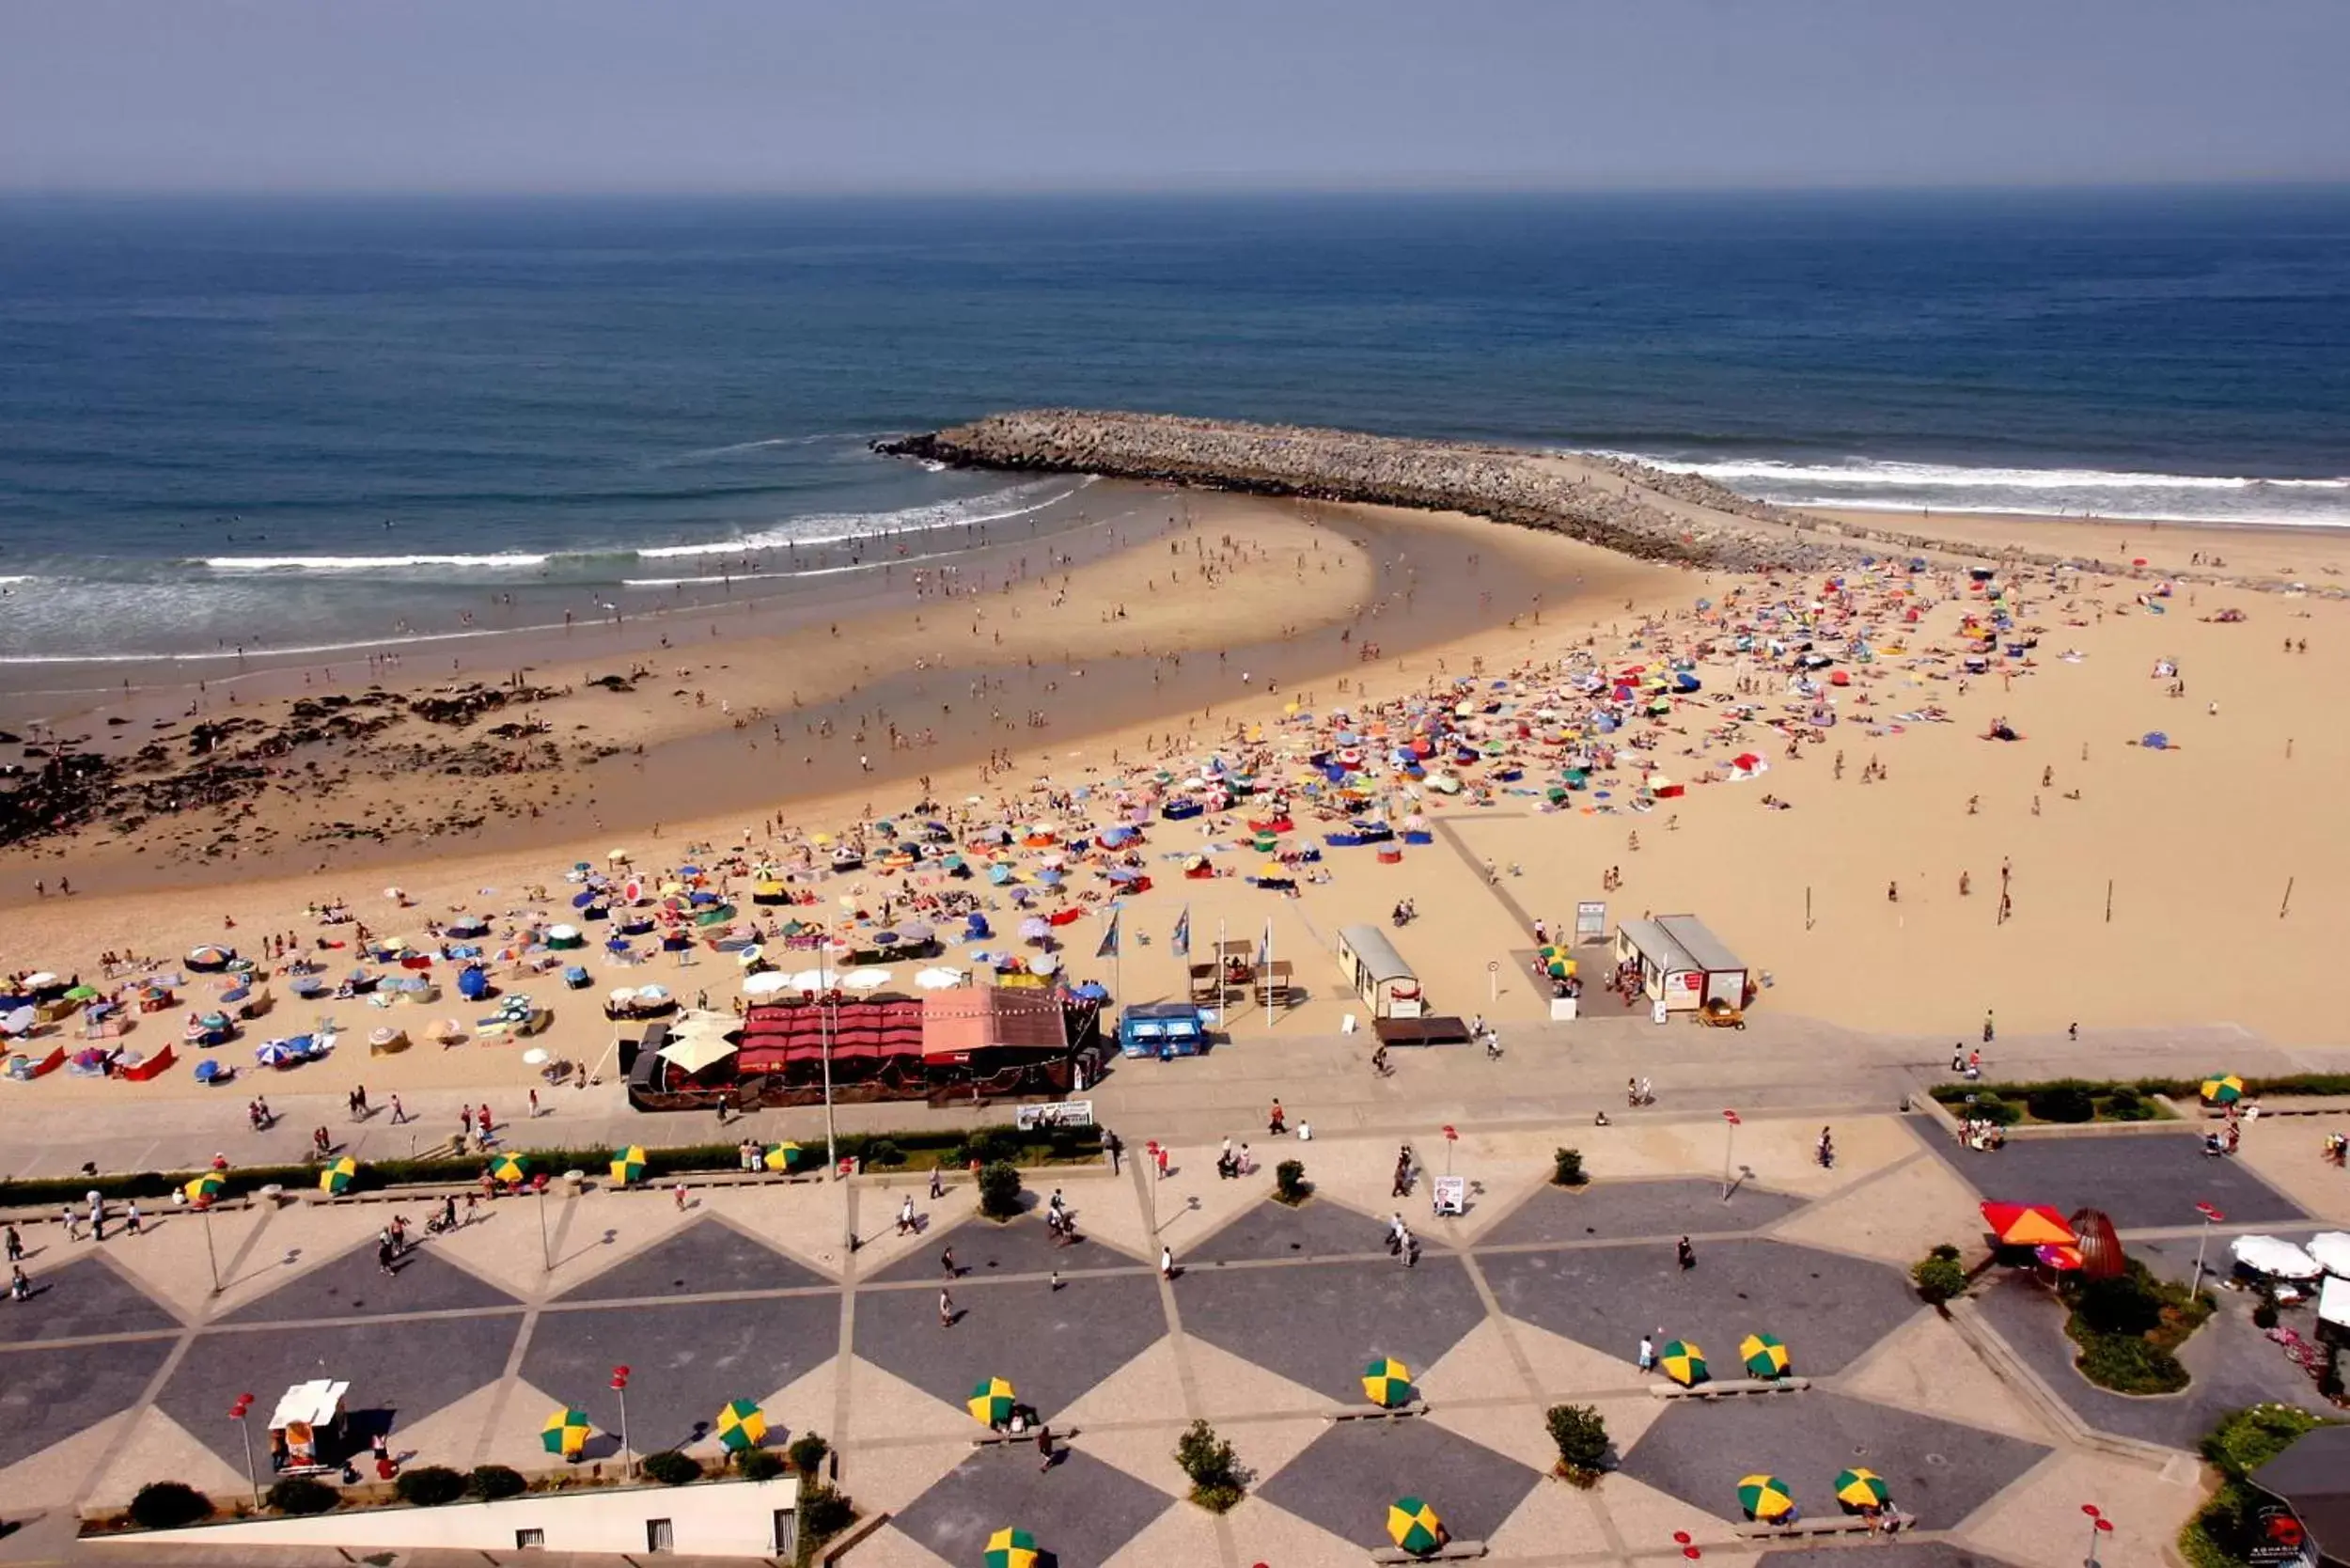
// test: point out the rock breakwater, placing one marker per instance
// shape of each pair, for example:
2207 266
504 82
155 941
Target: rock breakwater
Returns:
1619 506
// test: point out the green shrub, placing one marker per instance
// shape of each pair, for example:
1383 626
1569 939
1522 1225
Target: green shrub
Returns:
2067 1100
2129 1365
492 1481
1217 1482
672 1468
992 1145
2249 1439
168 1505
824 1511
2121 1304
884 1154
2264 1313
758 1463
1289 1182
807 1453
1945 1250
301 1494
1566 1169
1581 1434
428 1485
1000 1190
2125 1105
1938 1279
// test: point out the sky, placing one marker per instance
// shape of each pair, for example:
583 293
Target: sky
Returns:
783 95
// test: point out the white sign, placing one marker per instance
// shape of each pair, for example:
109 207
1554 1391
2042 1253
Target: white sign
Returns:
1451 1195
1656 1013
1069 1113
1591 921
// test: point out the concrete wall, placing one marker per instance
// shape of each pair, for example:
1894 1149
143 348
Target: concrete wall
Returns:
719 1519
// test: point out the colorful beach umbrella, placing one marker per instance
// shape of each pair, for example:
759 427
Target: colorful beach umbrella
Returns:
565 1433
510 1168
205 1188
742 1425
336 1178
628 1165
1860 1488
1684 1362
2225 1090
2029 1225
1414 1526
1764 1496
991 1401
1387 1381
1011 1549
781 1156
1764 1356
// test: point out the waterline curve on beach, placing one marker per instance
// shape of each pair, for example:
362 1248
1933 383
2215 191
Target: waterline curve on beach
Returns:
1871 484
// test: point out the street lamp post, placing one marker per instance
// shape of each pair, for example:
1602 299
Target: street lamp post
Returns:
2211 1218
1730 1142
209 1256
619 1386
237 1413
546 1248
2098 1525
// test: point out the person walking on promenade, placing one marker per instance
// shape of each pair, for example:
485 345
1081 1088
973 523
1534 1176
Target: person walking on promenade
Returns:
945 1309
72 1222
1166 1261
1646 1360
400 1112
1044 1445
905 1216
1686 1253
16 1245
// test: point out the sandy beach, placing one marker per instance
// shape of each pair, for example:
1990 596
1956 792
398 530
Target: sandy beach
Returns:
1860 870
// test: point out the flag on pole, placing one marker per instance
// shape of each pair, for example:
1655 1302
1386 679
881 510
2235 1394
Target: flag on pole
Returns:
1109 938
1182 940
1264 945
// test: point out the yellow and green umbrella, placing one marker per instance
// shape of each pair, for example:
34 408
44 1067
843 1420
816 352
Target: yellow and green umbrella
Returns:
1764 1356
510 1168
1412 1524
991 1401
1011 1549
1764 1496
628 1165
742 1425
565 1433
1387 1381
336 1178
781 1156
2225 1090
1556 962
1858 1488
207 1187
1684 1362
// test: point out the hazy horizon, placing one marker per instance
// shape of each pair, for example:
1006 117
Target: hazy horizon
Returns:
779 96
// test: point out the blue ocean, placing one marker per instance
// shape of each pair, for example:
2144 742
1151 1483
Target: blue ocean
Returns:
312 422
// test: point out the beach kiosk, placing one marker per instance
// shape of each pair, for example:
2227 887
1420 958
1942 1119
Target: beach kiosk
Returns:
306 1414
1378 973
1681 964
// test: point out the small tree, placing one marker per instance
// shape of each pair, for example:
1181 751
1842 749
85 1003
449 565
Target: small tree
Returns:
672 1468
1289 1182
1938 1278
999 1190
1213 1467
1581 1434
429 1486
1567 1169
807 1454
168 1505
301 1494
492 1481
824 1511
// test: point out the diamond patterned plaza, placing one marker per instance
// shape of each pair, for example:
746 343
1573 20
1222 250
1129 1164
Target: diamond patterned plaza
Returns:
121 1369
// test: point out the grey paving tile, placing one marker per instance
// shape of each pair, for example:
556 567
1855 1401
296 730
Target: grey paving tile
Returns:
1346 1478
48 1395
1081 1510
1053 1345
1826 1307
79 1298
707 1256
1318 1324
1940 1471
1605 1210
352 1286
2139 1179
